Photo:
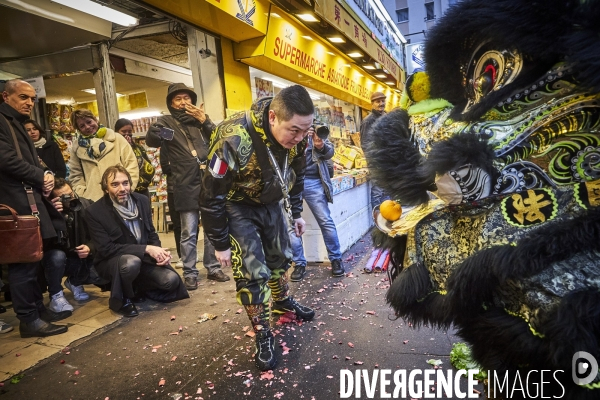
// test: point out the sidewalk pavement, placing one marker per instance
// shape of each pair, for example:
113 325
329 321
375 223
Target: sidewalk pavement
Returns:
90 317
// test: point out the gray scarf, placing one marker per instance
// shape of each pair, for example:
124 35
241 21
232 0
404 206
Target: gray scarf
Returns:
130 217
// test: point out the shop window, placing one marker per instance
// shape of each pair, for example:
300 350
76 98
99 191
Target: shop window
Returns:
452 2
429 12
402 15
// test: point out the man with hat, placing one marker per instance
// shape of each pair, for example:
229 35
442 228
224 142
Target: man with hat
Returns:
377 110
188 149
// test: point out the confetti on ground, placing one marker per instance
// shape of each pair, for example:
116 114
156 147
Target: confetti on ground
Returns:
162 382
351 344
206 316
268 375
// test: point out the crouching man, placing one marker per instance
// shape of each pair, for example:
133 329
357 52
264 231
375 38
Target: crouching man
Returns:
128 250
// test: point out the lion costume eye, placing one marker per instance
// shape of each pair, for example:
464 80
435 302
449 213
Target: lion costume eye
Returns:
490 70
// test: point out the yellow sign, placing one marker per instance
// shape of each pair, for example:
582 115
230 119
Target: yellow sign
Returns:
338 17
238 20
289 44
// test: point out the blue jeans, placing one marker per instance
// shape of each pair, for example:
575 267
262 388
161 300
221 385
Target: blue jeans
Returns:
189 244
314 195
54 263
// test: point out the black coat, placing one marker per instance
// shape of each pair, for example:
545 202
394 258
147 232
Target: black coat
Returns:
112 239
365 128
184 176
14 173
51 155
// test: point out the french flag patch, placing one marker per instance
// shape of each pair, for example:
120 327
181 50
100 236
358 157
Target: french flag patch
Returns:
217 167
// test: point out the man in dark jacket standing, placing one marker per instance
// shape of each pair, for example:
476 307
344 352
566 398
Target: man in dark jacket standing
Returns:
187 160
16 173
127 246
317 193
378 109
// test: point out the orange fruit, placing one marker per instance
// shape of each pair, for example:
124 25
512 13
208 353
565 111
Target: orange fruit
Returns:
390 210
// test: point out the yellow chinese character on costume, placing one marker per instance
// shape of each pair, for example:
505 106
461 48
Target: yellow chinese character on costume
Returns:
530 208
593 189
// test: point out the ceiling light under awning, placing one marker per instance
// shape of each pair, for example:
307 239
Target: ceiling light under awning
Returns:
336 39
368 66
307 17
355 54
100 11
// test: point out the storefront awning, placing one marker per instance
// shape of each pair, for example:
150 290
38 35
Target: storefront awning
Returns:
291 51
236 20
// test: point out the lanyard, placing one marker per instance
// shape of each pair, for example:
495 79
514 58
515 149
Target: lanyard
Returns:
287 205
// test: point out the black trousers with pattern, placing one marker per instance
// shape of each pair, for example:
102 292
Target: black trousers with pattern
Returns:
260 252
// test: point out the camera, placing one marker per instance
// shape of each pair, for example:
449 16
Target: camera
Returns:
70 202
164 132
322 130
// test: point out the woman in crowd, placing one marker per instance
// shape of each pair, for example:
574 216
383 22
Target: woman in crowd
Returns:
46 148
96 149
146 169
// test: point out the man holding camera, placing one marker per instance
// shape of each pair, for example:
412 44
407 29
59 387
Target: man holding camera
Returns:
317 192
77 244
186 133
254 158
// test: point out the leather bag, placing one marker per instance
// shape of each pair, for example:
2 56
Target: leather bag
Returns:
20 235
20 238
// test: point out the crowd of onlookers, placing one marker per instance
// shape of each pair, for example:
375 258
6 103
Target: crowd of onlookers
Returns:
118 251
96 216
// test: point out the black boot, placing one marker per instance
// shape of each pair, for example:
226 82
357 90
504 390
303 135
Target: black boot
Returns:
265 358
128 309
291 305
337 268
48 315
40 328
298 273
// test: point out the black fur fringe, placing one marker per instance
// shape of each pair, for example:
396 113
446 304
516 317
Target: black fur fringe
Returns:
397 166
393 160
454 152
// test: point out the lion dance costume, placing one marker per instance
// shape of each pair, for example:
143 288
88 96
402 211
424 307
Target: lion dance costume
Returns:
498 150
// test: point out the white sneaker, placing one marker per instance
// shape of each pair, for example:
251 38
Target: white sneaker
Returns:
58 303
179 264
4 327
78 291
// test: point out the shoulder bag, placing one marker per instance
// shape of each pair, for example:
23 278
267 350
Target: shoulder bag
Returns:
20 235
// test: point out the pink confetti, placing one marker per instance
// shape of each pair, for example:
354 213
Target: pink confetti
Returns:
358 363
371 312
162 382
173 358
351 344
266 375
172 318
77 372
